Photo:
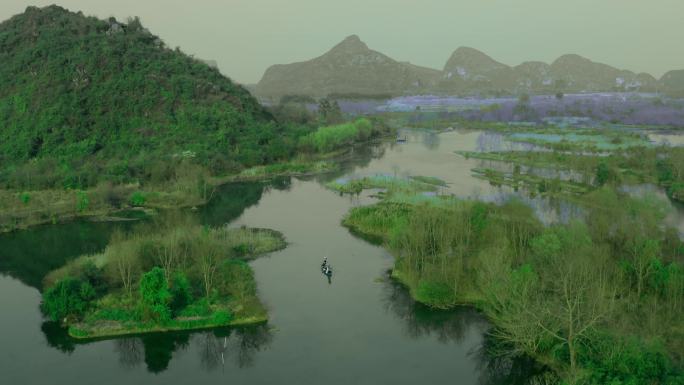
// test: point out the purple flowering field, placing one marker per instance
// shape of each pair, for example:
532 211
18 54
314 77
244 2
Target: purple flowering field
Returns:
571 109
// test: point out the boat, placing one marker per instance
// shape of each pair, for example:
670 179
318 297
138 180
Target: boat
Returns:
326 269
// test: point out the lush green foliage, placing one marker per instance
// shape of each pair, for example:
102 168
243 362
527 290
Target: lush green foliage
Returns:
391 183
85 100
179 275
69 298
328 138
181 293
601 301
155 296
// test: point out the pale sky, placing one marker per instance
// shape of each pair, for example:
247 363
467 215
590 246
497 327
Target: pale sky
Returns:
247 36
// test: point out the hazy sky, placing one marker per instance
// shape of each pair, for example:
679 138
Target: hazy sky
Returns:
246 36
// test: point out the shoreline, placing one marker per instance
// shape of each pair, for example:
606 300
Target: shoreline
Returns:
76 332
103 214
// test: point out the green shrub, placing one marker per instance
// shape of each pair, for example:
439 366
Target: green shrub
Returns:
614 360
82 201
155 296
199 308
435 294
25 198
181 295
114 314
137 199
329 138
68 298
221 317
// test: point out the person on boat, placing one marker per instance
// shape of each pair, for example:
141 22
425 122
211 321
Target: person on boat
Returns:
325 262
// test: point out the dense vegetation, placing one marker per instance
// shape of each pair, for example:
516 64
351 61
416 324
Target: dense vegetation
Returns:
98 115
177 276
85 100
600 301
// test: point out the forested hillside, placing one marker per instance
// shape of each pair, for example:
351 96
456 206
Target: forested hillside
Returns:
84 100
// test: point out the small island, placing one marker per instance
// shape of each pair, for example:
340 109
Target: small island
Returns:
176 277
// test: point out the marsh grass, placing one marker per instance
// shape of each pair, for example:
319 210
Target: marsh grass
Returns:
293 168
379 181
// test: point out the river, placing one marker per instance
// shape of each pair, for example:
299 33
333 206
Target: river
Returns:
359 328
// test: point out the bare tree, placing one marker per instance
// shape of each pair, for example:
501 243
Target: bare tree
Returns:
123 261
207 259
642 252
168 253
583 297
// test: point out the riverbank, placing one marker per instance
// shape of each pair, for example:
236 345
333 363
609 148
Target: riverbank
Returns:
22 210
191 185
108 329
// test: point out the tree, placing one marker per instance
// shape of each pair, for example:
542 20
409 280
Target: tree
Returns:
329 112
181 295
207 259
602 173
123 264
68 298
155 295
581 298
509 295
167 255
642 254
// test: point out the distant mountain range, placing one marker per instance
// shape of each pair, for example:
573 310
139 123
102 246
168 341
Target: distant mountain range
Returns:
351 68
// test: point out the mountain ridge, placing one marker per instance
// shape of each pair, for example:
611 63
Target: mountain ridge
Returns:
349 67
467 71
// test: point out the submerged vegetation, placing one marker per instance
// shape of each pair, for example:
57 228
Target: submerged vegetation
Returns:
661 165
177 276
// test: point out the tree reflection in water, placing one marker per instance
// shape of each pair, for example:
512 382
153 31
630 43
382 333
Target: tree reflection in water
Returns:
498 364
422 321
215 347
501 364
131 351
239 344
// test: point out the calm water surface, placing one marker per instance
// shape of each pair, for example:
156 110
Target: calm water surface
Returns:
359 328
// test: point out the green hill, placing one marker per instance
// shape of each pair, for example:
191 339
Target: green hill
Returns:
85 100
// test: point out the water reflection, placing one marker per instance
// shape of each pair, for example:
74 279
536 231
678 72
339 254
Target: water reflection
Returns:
500 365
215 348
57 337
131 352
230 201
421 321
495 362
28 255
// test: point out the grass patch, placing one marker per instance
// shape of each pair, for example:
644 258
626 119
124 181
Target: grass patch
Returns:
390 183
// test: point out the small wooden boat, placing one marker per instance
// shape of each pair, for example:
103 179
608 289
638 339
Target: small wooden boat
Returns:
326 269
